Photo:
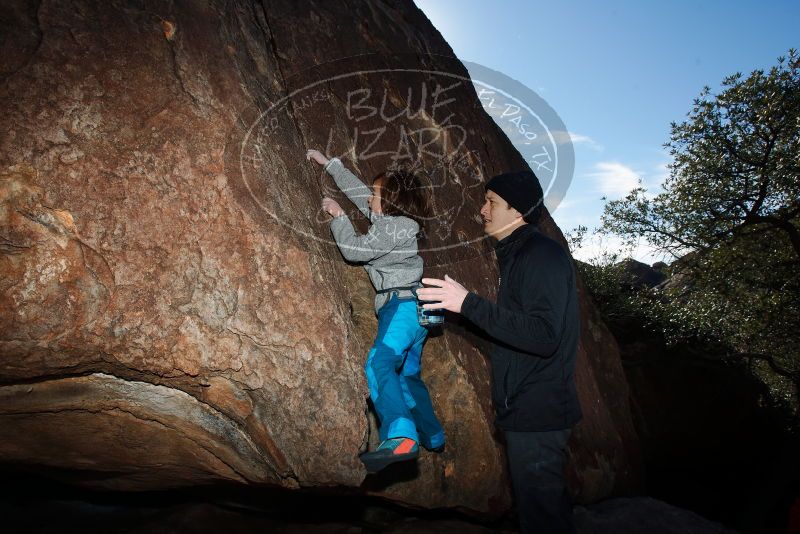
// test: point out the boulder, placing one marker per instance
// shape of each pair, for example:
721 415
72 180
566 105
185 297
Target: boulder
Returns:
172 309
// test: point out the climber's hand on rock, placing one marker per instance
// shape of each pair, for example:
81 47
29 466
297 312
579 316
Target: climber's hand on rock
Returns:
332 207
316 156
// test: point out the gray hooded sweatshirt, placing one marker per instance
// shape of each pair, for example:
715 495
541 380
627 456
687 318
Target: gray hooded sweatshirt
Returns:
388 250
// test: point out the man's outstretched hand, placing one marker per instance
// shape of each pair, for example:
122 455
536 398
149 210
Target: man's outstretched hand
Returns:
447 294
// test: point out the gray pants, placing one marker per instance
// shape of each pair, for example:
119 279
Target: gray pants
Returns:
536 464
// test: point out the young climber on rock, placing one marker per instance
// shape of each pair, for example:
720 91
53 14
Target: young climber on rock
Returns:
396 207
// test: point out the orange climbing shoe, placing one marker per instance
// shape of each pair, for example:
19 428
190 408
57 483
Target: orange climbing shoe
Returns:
390 451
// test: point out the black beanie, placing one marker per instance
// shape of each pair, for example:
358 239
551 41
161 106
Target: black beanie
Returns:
521 190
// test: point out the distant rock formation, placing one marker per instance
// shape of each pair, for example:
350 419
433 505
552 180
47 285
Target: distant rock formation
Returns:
172 312
637 274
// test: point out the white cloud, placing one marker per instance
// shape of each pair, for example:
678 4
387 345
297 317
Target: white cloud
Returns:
561 137
578 138
595 246
661 173
657 179
567 204
613 179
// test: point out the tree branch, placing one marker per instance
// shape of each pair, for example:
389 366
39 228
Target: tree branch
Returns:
786 226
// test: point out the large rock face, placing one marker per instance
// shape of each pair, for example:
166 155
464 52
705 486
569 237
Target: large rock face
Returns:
171 309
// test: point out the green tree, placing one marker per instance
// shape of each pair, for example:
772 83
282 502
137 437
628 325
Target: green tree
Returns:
730 211
735 172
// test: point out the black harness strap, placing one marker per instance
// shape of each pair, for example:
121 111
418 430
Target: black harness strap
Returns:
388 289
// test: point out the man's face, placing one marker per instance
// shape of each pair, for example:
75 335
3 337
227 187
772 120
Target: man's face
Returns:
499 219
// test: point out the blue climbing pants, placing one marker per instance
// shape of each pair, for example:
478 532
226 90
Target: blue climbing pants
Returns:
393 375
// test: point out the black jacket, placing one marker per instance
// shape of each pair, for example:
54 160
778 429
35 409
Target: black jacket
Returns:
535 327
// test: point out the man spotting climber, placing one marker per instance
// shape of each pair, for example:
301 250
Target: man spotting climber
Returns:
534 326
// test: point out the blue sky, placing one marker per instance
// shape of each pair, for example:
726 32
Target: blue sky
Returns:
617 73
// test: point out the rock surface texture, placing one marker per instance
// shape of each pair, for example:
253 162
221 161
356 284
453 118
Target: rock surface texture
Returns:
172 311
